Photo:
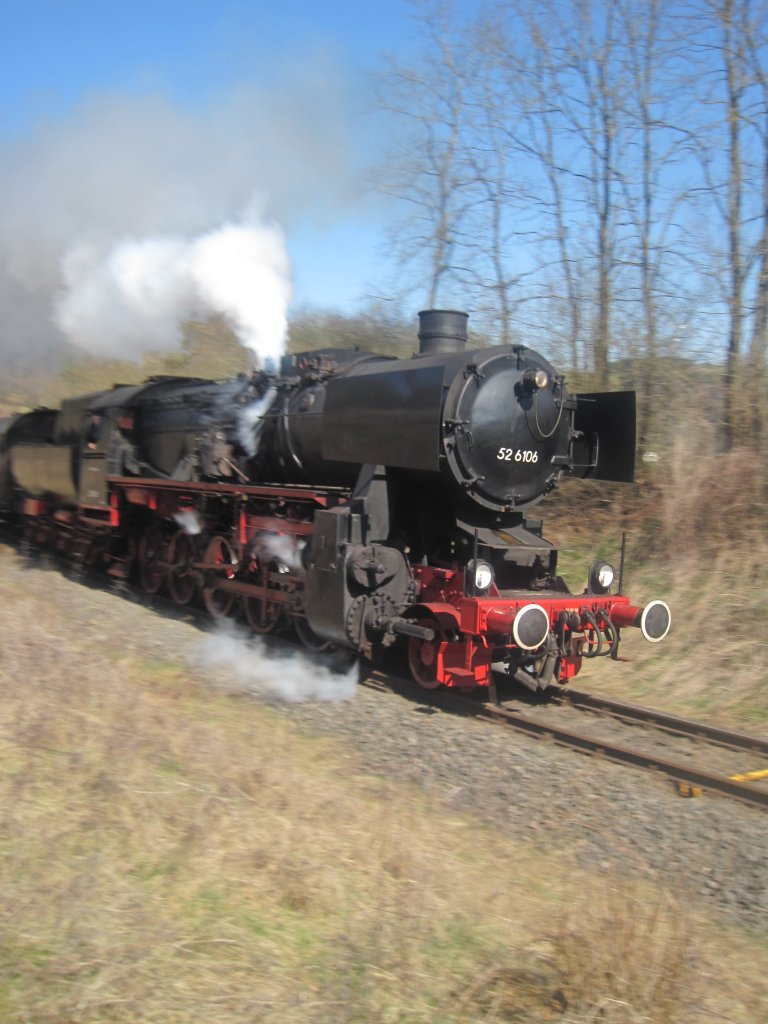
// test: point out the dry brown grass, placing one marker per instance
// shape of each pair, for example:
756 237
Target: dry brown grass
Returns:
618 956
698 538
715 661
168 854
643 966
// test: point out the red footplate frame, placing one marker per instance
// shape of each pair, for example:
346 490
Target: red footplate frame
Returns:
485 625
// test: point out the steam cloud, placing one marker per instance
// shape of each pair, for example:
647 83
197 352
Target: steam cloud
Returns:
131 299
243 666
283 548
133 213
189 521
250 425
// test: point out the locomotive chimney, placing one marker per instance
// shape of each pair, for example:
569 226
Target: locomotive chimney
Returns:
442 330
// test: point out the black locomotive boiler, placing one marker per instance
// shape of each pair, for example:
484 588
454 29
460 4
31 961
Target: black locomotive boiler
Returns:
357 497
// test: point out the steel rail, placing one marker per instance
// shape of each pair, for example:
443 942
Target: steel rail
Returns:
680 773
684 774
663 720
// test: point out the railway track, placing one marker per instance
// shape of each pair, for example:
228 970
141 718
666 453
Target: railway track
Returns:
749 785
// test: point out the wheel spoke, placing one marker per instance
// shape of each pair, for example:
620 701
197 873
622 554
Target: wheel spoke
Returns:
261 615
151 555
219 551
182 583
309 637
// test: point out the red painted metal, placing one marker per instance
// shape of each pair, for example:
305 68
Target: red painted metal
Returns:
446 615
570 667
464 663
277 524
497 619
139 495
439 585
484 624
496 614
34 507
327 497
114 509
626 614
473 631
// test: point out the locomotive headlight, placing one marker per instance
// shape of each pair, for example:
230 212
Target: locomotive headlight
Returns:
481 575
601 576
535 380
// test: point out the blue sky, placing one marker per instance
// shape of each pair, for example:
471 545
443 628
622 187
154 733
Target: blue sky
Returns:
58 57
55 52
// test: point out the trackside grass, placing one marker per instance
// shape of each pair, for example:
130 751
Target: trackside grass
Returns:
697 530
170 855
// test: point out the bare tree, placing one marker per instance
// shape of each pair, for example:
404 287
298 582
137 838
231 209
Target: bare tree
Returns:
597 170
732 50
565 72
652 197
531 74
756 371
427 169
734 191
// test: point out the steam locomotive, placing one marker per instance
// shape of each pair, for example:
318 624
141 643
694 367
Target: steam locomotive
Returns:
356 497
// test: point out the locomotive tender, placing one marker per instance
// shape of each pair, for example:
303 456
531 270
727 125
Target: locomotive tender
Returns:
357 497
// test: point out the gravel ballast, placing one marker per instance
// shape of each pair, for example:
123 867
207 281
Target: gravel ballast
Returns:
606 815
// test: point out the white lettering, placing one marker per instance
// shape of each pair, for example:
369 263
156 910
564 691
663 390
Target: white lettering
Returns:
517 455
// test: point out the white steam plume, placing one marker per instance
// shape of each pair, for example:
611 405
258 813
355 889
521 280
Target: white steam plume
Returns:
189 521
282 548
131 298
242 665
250 421
122 218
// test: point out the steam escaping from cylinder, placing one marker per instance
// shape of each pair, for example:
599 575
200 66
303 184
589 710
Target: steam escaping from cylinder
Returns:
189 521
242 665
282 548
132 297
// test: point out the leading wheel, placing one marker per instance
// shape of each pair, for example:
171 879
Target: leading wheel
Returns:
423 656
219 552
